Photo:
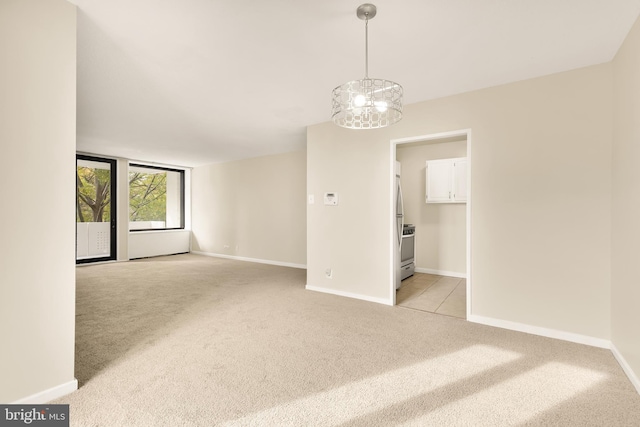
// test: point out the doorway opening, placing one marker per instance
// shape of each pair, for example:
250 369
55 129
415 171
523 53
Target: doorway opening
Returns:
442 228
95 209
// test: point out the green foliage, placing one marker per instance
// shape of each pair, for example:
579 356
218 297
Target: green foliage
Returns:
93 195
147 196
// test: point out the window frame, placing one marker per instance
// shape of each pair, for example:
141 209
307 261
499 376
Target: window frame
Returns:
182 198
113 233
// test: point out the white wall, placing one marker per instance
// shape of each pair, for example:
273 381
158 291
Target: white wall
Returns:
540 239
122 208
174 192
252 209
143 244
441 228
353 239
626 202
37 276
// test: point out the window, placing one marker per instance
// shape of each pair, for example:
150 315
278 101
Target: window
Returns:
95 202
156 198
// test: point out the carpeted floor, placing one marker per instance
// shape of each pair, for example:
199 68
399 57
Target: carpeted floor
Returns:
189 340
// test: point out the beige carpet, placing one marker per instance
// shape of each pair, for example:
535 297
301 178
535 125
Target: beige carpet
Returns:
189 340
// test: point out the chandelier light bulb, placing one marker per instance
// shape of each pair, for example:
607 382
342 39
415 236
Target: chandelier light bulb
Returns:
359 100
381 106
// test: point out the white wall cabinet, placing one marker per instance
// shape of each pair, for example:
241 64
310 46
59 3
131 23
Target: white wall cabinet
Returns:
446 180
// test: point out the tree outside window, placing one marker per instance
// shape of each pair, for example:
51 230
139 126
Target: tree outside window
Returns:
155 198
147 196
93 187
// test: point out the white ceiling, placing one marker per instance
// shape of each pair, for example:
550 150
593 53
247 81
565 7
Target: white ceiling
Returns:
192 82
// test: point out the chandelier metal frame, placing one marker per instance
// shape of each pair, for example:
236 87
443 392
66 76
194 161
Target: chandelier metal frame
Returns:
368 103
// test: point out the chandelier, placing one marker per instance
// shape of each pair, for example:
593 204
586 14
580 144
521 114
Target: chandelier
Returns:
367 103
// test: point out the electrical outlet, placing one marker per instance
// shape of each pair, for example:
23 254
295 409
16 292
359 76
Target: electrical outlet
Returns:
328 273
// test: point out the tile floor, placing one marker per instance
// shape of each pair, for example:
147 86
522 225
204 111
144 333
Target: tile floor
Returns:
435 294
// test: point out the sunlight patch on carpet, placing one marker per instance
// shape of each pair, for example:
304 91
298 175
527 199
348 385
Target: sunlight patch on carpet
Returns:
341 404
517 400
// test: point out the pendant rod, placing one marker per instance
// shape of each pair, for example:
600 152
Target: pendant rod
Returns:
366 47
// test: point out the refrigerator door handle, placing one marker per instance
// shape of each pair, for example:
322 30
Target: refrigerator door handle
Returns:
399 216
400 202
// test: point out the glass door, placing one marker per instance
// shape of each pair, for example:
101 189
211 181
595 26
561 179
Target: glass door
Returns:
95 209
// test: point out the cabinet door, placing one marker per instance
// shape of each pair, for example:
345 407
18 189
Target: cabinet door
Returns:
439 180
459 180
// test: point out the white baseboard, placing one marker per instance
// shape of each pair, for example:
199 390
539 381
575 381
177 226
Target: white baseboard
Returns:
349 295
441 272
544 332
626 368
260 261
48 395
